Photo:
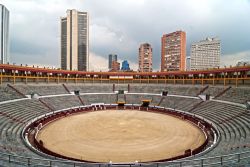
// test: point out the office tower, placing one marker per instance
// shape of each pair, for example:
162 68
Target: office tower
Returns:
173 51
112 57
188 64
205 54
75 41
4 35
145 58
125 66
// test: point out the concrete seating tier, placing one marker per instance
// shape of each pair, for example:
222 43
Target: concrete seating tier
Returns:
180 103
185 90
233 121
16 115
20 110
122 87
41 89
61 102
213 91
237 95
90 88
99 98
234 129
7 93
136 99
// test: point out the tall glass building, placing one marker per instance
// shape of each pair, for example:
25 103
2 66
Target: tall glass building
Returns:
75 41
112 57
125 66
4 35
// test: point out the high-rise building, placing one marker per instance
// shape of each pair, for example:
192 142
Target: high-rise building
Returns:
173 51
188 64
115 66
112 57
125 66
75 41
205 54
145 58
4 35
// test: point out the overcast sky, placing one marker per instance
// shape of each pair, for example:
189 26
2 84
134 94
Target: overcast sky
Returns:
120 26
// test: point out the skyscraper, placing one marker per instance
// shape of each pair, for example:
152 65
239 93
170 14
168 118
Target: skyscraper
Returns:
112 57
125 66
173 51
188 64
205 54
145 58
4 35
75 41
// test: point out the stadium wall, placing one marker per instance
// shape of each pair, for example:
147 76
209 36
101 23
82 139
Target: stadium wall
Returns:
222 76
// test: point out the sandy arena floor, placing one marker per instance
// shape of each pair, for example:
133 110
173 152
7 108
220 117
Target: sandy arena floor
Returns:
121 136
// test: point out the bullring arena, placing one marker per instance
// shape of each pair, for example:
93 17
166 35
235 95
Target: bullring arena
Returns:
66 118
121 136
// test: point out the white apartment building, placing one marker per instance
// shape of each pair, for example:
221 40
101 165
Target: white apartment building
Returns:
205 54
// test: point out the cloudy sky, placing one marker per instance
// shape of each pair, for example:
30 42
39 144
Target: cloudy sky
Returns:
119 26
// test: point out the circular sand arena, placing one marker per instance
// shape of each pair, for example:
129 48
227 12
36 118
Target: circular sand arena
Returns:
121 136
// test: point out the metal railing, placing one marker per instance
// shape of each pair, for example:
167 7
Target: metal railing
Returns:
237 158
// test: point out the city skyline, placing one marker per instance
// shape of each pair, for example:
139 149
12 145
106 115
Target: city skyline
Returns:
123 36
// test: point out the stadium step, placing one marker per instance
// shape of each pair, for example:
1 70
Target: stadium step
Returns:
65 87
202 90
16 90
221 93
47 105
